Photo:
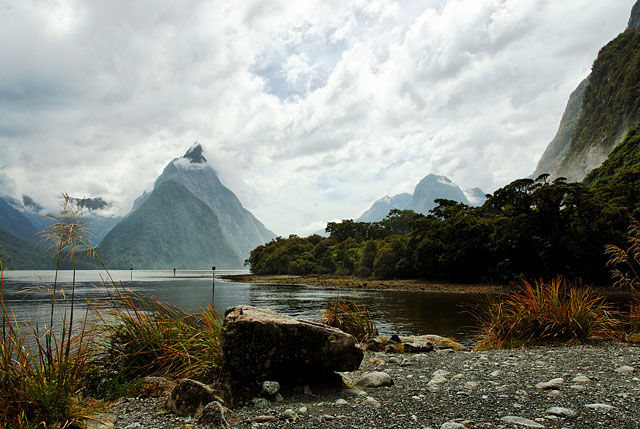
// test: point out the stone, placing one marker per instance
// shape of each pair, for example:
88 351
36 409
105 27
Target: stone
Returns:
264 419
302 409
155 387
341 402
578 386
372 402
567 413
581 379
270 387
412 344
289 414
472 384
278 397
554 394
495 373
189 397
452 425
259 344
260 402
551 384
600 407
521 421
625 369
375 379
215 415
439 377
133 426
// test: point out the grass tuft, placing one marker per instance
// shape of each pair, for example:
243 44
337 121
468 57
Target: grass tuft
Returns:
542 312
350 318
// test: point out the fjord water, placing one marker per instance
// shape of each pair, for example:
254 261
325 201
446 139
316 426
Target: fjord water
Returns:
396 312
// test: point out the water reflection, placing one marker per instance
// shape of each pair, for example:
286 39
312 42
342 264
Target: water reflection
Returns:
401 312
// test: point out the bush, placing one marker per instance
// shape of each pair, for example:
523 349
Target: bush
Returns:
543 312
350 318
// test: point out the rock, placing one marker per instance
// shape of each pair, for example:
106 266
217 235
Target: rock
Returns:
259 344
581 379
341 402
154 387
264 419
439 377
577 387
302 409
600 407
452 425
189 397
521 421
278 397
495 373
289 414
133 426
375 379
418 345
214 415
472 384
551 384
260 402
270 387
555 394
372 402
625 369
375 344
567 413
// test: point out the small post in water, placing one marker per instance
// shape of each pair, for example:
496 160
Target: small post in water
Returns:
131 273
174 272
213 285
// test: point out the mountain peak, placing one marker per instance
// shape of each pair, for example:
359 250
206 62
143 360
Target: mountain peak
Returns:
195 154
634 20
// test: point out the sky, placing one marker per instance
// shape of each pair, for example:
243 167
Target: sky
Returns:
309 111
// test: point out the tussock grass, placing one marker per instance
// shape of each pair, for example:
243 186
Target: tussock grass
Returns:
152 338
350 318
540 312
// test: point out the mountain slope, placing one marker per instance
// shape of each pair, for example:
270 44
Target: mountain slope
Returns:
171 229
241 229
433 187
15 222
381 208
610 107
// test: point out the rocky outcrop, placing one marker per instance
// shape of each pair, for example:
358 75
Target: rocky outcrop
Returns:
259 345
634 19
412 344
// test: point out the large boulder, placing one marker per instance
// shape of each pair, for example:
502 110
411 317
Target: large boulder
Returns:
259 345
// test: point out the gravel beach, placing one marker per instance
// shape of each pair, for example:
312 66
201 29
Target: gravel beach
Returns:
576 386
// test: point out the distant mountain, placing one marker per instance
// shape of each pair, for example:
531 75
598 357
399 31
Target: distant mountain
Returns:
15 222
240 228
601 111
430 188
19 254
433 187
189 220
171 229
381 208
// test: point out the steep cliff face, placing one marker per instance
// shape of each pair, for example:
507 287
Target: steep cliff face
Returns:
609 106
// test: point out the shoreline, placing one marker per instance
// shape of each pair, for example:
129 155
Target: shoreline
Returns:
343 282
596 384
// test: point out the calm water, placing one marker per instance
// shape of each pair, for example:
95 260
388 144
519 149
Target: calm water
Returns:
27 295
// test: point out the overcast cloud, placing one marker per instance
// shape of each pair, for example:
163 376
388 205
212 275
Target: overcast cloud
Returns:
309 111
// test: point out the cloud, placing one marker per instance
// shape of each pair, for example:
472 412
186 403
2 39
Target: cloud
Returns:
308 112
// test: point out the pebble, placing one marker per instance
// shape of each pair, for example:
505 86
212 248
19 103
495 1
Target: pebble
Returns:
439 377
341 402
472 384
375 379
554 394
289 414
260 402
354 392
521 421
372 402
270 387
601 407
581 379
264 419
551 384
562 412
625 369
302 410
452 425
